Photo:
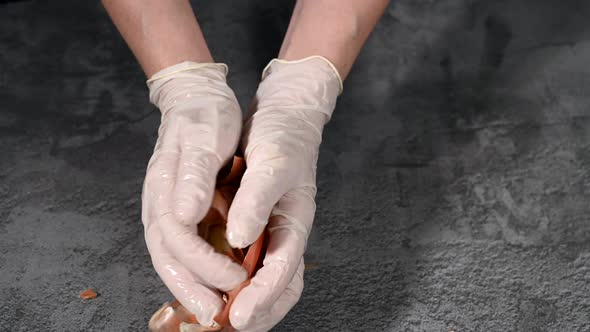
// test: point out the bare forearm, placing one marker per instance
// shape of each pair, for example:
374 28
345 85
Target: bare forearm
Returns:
159 33
335 29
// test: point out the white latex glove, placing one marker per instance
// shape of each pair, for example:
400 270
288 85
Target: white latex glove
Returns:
199 132
280 142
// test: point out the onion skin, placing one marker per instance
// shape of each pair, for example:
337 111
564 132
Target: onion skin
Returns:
172 316
88 294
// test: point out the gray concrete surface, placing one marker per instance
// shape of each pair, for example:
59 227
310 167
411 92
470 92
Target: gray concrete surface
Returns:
453 179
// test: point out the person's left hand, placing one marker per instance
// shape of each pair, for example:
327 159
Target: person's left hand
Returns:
280 141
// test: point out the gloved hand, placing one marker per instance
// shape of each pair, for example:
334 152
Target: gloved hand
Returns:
200 128
280 142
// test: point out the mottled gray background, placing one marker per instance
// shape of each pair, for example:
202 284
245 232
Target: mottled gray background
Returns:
453 178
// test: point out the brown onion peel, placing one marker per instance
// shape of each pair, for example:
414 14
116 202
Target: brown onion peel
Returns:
88 294
172 316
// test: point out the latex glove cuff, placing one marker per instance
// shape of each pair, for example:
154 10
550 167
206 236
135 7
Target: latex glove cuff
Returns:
189 78
268 69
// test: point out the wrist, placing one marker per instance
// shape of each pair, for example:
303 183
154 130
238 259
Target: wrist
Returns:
184 67
311 85
329 69
185 82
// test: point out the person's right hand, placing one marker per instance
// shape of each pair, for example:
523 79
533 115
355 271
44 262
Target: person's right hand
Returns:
200 127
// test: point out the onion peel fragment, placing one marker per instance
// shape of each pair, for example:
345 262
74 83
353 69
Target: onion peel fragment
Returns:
88 294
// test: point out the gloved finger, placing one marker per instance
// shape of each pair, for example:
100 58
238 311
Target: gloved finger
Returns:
288 231
160 177
215 270
187 288
195 183
182 241
262 185
286 301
